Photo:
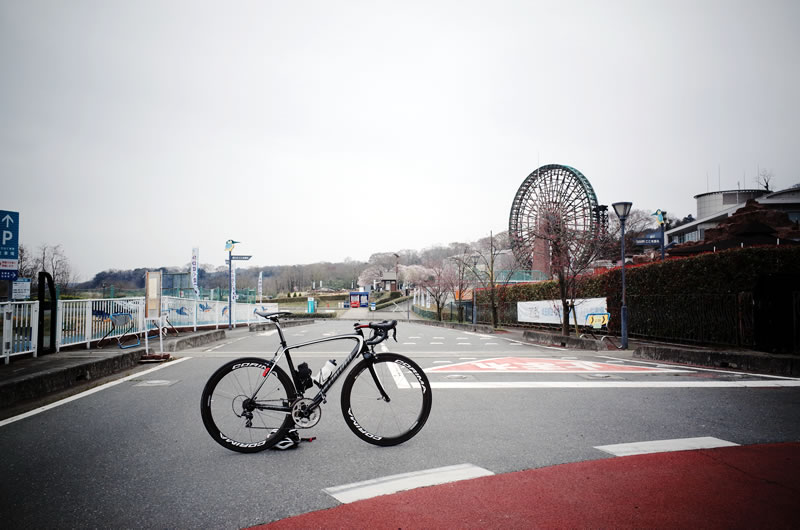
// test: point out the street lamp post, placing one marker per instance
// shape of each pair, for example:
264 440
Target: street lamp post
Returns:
474 298
622 209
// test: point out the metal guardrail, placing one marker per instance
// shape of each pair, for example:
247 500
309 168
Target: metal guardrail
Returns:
86 321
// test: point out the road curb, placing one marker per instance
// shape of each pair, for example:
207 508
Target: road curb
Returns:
763 363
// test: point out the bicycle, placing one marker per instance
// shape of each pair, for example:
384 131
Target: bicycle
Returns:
250 404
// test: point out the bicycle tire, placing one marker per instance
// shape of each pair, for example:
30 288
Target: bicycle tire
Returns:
223 399
372 418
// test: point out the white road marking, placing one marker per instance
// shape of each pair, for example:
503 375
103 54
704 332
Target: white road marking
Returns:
442 362
438 338
393 483
409 343
90 392
414 337
611 384
267 333
218 346
397 375
697 368
664 446
437 342
467 358
462 344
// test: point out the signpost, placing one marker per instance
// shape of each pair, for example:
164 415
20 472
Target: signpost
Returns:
21 289
9 245
229 244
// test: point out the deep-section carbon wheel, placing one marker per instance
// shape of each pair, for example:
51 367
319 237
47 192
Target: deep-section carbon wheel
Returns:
397 414
237 419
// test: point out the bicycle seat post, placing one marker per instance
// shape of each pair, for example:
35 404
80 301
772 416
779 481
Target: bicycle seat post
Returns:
280 332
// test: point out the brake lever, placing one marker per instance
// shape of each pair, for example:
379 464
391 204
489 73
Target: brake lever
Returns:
394 334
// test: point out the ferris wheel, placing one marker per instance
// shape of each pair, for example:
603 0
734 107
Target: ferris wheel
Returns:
554 197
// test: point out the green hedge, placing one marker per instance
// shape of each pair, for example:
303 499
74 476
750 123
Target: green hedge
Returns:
728 272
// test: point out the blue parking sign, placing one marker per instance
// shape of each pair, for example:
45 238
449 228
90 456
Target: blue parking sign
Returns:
9 245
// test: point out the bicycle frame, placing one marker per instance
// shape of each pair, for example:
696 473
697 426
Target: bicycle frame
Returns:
361 348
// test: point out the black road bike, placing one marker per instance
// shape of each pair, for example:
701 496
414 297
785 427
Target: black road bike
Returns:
250 404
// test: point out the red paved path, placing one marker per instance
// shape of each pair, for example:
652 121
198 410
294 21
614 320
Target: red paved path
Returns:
754 486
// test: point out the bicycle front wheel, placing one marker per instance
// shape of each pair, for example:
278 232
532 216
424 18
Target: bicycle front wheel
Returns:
238 418
386 399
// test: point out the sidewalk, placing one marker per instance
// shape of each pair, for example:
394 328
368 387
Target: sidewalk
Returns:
732 487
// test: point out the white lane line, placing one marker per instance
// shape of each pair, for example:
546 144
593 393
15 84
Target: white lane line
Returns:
397 375
437 342
442 362
405 481
462 344
409 343
699 369
611 384
217 347
664 446
414 337
438 338
267 333
89 392
466 358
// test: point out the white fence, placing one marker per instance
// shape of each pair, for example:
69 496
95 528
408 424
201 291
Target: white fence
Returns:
20 321
85 321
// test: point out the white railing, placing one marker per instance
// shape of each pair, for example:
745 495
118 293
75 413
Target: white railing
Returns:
85 321
20 321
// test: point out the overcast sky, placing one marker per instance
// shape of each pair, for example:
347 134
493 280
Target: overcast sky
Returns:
310 131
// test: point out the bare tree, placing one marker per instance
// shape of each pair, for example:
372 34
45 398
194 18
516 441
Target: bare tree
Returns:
52 259
459 276
764 178
487 252
27 264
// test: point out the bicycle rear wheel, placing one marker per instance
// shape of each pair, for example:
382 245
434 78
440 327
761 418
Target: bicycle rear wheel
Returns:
234 419
373 417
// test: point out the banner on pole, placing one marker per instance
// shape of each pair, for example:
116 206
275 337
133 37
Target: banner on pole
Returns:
195 260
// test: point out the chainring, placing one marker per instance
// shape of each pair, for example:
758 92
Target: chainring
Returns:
303 417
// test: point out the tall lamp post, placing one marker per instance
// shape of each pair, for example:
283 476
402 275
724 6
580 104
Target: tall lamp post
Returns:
229 244
622 209
474 297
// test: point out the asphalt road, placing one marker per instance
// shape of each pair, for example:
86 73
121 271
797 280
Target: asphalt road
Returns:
136 454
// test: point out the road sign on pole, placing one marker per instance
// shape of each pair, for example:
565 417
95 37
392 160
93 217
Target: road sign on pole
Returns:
241 258
9 245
